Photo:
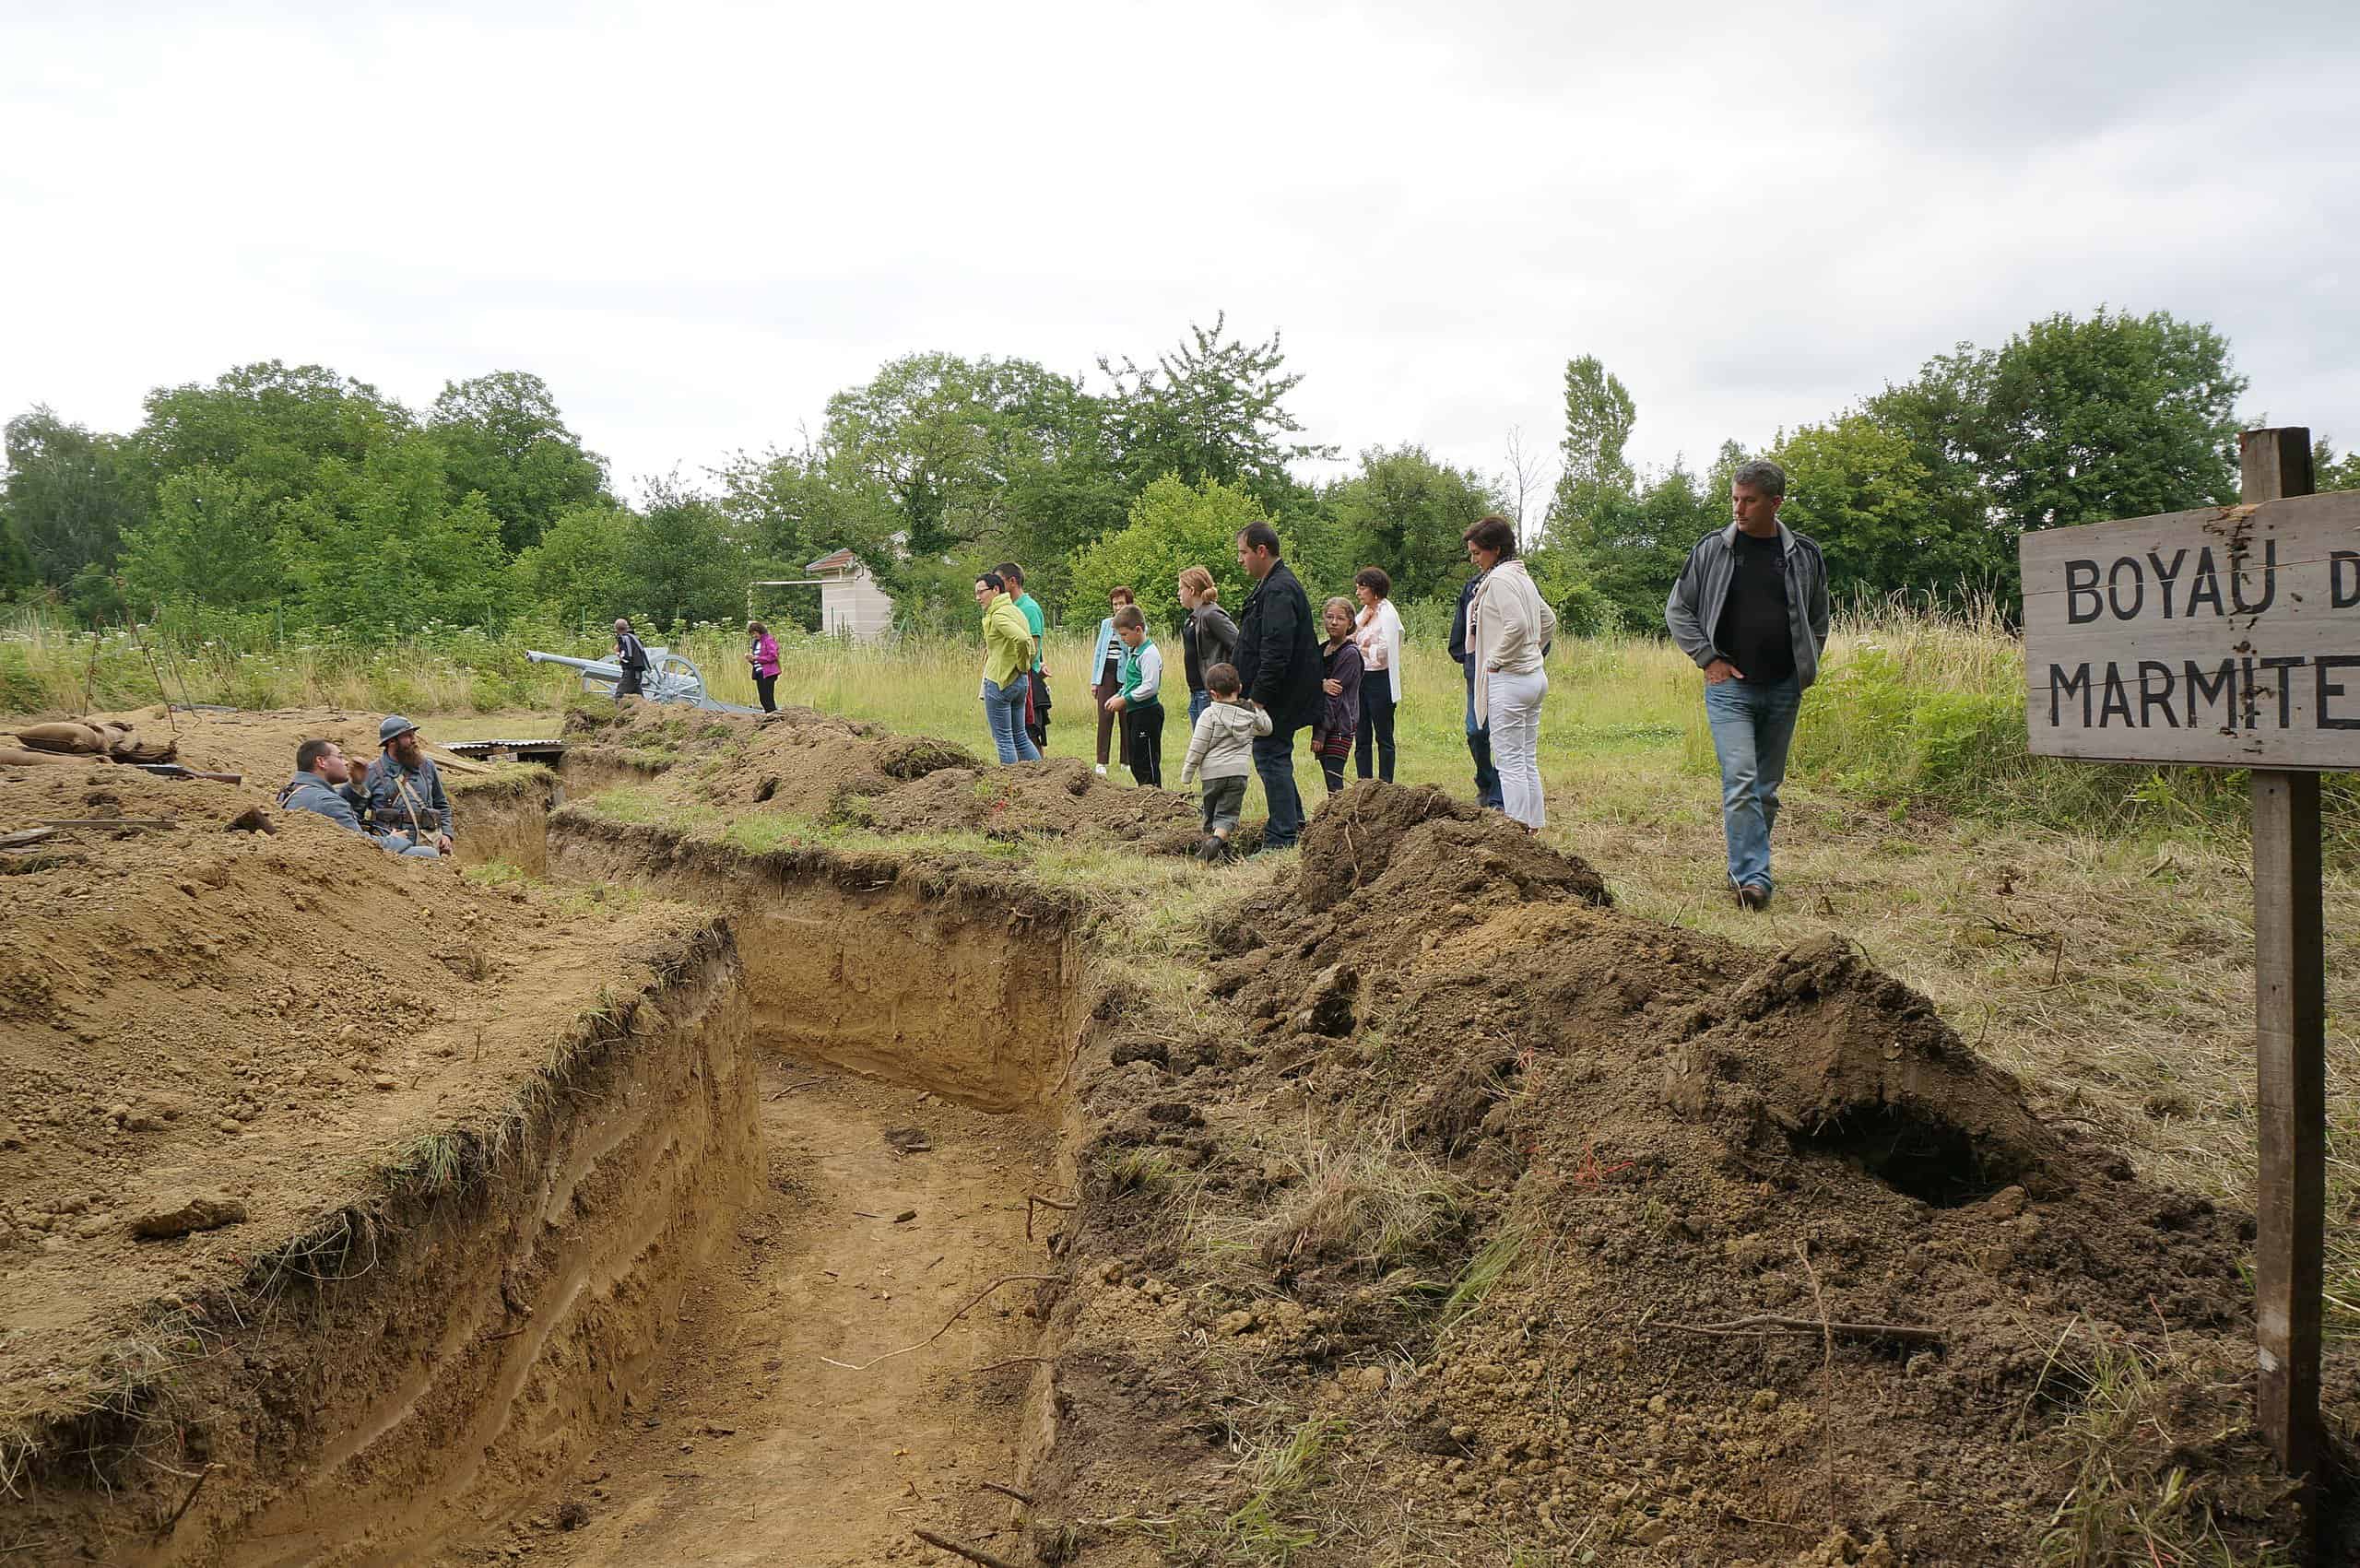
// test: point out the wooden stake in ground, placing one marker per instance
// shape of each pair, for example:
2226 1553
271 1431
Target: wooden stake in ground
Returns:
2290 1047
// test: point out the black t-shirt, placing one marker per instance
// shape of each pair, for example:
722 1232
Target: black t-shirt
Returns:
1753 634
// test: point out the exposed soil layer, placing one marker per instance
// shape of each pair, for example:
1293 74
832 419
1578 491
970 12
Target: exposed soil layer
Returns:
815 768
961 983
1478 1186
295 1140
746 1445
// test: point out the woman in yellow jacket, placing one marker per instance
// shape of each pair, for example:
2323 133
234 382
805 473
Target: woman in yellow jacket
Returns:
1008 662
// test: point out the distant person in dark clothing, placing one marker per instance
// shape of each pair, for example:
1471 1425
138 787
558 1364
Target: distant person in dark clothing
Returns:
1208 637
1278 664
1341 675
1479 734
1751 610
631 655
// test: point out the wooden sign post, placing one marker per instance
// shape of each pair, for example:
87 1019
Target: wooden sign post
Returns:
2230 637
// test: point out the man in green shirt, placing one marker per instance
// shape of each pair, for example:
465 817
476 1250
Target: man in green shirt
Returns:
1036 706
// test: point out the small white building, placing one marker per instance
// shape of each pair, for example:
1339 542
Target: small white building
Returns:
851 604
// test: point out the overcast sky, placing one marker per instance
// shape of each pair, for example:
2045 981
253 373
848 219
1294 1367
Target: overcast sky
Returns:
696 221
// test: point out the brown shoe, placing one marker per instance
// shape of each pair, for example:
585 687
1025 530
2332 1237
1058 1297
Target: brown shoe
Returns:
1753 896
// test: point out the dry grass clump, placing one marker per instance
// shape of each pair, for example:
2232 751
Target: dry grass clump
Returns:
1375 1202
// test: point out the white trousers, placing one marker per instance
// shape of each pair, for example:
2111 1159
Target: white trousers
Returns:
1515 704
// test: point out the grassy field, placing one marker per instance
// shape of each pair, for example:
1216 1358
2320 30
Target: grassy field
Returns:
2089 927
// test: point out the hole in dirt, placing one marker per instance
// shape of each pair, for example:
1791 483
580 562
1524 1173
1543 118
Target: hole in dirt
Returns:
1923 1158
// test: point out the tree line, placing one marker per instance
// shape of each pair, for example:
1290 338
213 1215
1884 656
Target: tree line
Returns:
299 494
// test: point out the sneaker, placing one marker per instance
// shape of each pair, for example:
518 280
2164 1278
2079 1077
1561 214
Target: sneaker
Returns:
1102 769
1211 848
1754 896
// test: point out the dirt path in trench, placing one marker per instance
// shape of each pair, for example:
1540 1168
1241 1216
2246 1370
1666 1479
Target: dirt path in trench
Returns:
745 1447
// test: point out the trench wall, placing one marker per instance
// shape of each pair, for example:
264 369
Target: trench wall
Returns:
945 987
451 1344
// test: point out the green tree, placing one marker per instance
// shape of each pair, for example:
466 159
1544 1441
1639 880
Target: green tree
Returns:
213 540
1857 487
945 442
2116 415
575 571
503 437
1592 469
68 497
1408 514
681 560
267 424
1212 409
1173 524
1616 577
383 547
2327 472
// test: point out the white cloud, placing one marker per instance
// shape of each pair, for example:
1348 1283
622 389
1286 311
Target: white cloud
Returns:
697 221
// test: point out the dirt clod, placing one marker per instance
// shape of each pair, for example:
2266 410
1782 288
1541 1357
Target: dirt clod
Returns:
181 1213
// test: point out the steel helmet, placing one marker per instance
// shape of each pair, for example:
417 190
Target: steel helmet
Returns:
394 728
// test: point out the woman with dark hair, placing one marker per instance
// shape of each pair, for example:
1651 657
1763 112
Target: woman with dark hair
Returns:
1339 668
1379 636
763 657
1508 625
1208 637
1008 665
1106 672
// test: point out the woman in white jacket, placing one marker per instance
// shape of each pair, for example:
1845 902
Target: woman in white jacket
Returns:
1508 626
1379 636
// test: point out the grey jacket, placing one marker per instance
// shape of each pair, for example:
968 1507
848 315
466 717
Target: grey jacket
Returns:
1694 608
1222 744
308 792
389 802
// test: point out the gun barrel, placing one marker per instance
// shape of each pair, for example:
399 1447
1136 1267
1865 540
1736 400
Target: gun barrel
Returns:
587 666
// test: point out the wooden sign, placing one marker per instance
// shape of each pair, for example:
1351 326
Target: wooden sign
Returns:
2231 636
2228 636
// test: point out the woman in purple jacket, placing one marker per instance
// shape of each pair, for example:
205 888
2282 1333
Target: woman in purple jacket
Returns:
763 656
1340 660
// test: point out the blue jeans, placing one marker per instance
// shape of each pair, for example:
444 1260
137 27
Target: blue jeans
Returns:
1004 710
1274 760
1752 726
1478 746
1199 700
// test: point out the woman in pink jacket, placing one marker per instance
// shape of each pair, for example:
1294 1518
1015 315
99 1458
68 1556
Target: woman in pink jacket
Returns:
763 656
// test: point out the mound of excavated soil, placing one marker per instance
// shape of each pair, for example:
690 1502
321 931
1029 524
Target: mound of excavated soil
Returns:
802 764
1582 1229
208 1033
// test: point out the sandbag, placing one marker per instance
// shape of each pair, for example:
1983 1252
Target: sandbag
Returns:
64 736
13 756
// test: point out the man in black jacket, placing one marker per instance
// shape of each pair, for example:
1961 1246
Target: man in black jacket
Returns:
1479 737
631 655
1278 667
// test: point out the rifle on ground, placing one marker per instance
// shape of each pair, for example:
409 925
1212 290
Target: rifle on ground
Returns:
174 770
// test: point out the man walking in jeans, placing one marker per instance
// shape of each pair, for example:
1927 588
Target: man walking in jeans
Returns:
1750 608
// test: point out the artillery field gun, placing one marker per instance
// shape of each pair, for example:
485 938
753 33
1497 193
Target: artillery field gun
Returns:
670 678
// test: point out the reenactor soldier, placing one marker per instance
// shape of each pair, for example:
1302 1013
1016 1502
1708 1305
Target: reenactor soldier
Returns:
403 791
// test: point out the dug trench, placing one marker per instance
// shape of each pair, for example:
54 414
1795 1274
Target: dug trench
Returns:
645 1281
1436 1212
